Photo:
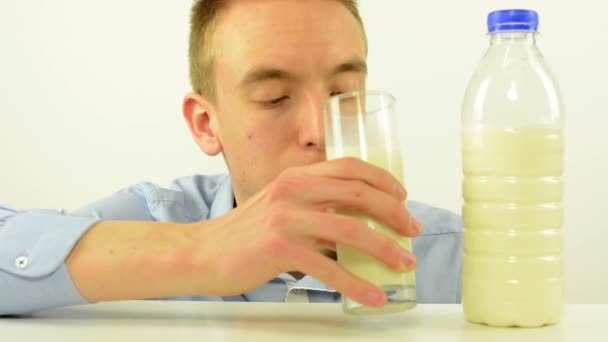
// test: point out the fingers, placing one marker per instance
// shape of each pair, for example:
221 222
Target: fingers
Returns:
356 169
355 232
331 273
326 246
353 195
348 184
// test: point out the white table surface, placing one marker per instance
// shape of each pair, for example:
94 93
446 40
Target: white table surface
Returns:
153 321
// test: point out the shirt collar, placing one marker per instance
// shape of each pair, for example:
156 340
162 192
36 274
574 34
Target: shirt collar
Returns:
308 282
224 199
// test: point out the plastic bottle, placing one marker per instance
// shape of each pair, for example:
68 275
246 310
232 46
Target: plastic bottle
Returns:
512 149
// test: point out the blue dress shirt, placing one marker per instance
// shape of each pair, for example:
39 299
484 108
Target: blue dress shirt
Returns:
35 243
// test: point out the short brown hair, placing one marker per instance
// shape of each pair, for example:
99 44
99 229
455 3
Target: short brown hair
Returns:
203 20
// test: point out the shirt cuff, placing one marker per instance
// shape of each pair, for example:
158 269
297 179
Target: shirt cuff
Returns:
33 249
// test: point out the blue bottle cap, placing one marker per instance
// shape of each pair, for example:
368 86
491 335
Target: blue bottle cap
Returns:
513 20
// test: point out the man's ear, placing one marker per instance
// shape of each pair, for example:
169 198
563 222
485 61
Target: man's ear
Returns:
201 119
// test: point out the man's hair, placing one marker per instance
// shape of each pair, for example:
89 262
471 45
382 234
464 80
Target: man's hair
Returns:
203 22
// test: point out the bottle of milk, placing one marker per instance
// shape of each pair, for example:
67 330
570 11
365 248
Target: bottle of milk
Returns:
512 149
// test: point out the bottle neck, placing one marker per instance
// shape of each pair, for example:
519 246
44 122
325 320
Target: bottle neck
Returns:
523 38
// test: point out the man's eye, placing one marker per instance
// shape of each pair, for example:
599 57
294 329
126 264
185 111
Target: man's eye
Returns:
276 101
335 93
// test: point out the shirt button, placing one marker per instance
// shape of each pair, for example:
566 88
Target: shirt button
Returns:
22 262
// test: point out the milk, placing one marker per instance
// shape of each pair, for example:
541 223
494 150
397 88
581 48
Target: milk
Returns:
400 287
513 217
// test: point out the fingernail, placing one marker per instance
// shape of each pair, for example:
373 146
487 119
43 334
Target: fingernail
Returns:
408 261
413 229
375 298
400 191
417 226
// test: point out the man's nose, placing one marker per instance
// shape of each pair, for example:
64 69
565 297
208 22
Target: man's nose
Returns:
312 130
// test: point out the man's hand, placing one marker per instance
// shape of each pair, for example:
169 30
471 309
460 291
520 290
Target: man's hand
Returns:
283 227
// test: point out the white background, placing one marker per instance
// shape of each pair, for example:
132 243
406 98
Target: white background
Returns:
90 96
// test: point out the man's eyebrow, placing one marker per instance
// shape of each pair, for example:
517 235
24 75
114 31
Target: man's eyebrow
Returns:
354 65
263 74
260 74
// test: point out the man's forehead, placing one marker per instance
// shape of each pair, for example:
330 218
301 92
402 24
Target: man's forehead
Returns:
276 38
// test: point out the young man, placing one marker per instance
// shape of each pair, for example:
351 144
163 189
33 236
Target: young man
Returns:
260 70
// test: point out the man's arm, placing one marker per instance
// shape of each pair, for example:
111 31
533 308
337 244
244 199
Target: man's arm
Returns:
34 245
53 259
121 260
280 229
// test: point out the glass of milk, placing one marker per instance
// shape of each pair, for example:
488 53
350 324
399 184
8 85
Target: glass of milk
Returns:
363 124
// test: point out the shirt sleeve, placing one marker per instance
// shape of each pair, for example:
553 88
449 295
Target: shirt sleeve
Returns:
439 252
35 243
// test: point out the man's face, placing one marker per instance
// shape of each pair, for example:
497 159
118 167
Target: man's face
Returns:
275 63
